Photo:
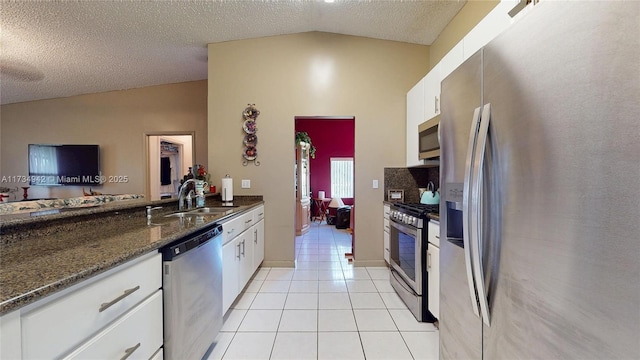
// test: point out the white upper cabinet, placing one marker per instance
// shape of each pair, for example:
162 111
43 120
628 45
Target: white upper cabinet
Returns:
415 116
487 29
431 96
451 61
491 26
423 100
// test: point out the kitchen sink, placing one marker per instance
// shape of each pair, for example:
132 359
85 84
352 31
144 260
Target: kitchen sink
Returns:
179 214
217 210
207 211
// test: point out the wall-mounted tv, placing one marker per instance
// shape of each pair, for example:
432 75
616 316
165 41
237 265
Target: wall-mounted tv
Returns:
64 164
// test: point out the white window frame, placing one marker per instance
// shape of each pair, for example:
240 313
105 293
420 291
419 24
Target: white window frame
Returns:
340 190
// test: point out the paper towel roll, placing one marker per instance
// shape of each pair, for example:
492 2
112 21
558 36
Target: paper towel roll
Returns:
227 189
320 194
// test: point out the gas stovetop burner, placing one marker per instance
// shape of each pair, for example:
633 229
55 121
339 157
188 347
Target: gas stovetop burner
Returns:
418 209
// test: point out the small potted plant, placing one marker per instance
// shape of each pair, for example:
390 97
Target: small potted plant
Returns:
303 136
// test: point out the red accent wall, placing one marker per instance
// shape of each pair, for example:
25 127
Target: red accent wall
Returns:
332 138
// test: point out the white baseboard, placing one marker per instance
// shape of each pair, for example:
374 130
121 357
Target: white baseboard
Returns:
279 263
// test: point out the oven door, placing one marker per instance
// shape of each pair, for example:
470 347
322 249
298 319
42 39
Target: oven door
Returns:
405 254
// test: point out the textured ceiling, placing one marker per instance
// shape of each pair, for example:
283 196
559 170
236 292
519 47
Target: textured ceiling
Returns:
55 49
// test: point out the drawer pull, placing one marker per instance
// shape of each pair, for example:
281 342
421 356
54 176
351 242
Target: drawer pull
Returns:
261 214
126 293
230 231
248 221
130 351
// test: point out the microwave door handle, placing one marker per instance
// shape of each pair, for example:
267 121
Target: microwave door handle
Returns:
466 208
476 213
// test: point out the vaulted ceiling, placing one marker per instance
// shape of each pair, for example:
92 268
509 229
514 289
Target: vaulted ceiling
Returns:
55 49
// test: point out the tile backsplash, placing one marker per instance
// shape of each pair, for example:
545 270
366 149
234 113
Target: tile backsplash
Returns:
410 180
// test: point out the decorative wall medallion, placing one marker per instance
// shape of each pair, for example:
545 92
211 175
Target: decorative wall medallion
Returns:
250 116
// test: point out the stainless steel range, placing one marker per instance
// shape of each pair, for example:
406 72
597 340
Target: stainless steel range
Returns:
408 250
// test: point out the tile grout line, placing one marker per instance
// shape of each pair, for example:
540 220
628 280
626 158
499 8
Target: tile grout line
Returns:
243 317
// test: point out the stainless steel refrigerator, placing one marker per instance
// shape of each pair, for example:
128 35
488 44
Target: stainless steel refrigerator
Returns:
540 166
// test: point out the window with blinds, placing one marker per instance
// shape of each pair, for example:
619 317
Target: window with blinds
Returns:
342 177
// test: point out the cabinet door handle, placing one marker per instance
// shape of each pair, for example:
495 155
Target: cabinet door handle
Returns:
255 236
126 293
238 256
130 351
243 248
428 260
435 104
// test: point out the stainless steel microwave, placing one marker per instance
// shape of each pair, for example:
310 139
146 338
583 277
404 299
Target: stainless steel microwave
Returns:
428 139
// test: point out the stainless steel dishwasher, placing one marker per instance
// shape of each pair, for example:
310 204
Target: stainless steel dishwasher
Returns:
192 292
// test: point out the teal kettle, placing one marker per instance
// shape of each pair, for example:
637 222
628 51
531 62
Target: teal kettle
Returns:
431 196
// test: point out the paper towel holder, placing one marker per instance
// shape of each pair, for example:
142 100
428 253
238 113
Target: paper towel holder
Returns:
227 199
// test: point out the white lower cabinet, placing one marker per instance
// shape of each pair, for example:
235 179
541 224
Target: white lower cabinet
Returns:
386 236
230 269
137 335
242 254
433 268
258 244
246 253
159 355
98 318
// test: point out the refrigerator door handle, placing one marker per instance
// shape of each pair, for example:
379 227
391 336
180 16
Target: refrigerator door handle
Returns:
466 208
476 213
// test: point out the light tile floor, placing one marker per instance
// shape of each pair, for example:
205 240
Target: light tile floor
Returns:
325 308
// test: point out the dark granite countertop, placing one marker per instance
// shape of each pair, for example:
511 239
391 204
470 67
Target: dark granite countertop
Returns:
43 254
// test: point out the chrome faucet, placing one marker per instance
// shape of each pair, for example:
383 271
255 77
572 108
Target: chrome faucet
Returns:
181 195
149 210
190 197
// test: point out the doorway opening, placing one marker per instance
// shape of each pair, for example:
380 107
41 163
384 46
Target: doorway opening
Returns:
331 195
168 158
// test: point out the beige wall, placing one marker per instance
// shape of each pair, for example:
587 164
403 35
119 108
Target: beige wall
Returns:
1 146
306 74
116 120
468 17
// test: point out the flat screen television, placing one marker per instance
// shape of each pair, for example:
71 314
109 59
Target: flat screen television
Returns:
64 164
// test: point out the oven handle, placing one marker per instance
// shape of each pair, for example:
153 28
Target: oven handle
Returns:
405 229
466 210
